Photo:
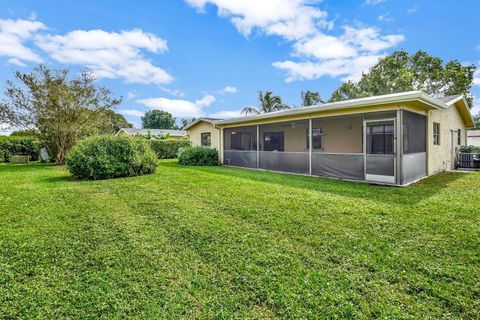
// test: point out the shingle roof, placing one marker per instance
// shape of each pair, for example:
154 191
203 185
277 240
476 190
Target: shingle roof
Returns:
449 99
155 132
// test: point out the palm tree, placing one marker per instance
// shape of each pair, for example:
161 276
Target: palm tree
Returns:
268 103
310 98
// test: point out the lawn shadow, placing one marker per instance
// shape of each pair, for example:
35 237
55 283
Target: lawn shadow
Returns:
410 195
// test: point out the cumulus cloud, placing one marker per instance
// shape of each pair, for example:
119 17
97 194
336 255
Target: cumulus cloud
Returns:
131 112
317 53
179 107
109 54
14 35
173 92
230 89
476 78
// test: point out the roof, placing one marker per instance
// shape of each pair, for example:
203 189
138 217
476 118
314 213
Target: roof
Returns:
410 96
154 132
209 120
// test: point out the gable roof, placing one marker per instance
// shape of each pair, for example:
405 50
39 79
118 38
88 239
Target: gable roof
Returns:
154 132
193 123
409 96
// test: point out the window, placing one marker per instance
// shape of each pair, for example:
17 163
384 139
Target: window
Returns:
380 139
206 139
241 141
273 141
436 133
459 136
317 134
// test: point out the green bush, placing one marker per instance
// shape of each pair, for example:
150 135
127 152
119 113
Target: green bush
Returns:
469 149
168 149
198 156
104 157
14 145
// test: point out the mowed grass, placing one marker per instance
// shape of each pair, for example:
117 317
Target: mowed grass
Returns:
220 242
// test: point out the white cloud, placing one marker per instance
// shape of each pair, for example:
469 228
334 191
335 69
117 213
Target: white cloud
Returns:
230 89
131 95
206 100
348 68
179 107
306 26
131 112
373 2
109 54
385 17
225 114
475 106
476 78
291 19
173 92
13 37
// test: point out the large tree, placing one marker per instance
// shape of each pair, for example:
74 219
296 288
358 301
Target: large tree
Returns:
112 122
310 98
158 119
268 103
400 72
62 108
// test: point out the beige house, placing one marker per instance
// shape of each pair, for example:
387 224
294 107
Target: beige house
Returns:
202 132
391 139
473 138
172 134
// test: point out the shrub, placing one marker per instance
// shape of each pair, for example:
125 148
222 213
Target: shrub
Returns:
168 149
469 149
28 146
198 156
104 157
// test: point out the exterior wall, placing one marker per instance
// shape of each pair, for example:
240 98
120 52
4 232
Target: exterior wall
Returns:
341 135
473 138
441 157
195 134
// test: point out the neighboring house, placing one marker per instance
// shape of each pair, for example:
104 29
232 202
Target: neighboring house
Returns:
391 139
202 132
173 134
473 138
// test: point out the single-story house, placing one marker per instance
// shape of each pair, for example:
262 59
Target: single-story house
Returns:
173 134
473 138
391 139
202 132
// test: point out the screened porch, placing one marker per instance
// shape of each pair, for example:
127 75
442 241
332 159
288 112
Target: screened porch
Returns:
367 147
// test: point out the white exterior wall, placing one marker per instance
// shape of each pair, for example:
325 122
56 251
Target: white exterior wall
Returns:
441 157
195 134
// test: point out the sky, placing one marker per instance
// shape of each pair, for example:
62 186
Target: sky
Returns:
209 58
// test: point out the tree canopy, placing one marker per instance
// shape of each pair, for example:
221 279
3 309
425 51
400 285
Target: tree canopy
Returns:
158 119
268 103
62 108
112 122
401 72
310 98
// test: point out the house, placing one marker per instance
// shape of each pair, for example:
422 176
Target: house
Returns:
202 132
391 139
173 134
473 138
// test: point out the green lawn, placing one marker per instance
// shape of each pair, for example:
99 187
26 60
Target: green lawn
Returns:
221 242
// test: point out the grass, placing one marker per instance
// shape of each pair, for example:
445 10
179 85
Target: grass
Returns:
218 242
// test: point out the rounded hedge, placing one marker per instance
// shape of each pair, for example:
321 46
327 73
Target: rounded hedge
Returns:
198 156
168 149
104 157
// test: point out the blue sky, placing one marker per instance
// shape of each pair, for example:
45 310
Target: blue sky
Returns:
209 57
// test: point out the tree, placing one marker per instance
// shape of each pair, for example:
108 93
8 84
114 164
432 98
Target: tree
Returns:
268 103
186 122
25 133
112 122
476 121
63 109
158 119
310 98
400 72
